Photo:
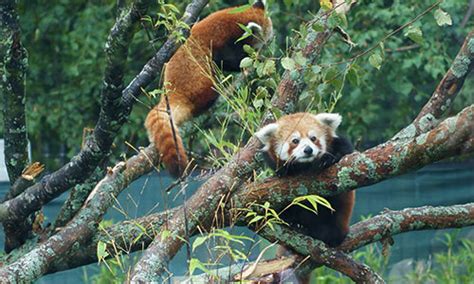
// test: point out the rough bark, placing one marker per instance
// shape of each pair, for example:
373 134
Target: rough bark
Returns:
13 65
360 169
74 235
209 195
322 254
391 223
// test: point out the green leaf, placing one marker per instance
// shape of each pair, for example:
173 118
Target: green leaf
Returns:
247 32
255 219
288 63
375 60
240 9
195 263
246 62
316 69
415 34
248 49
269 67
258 103
300 59
318 27
442 18
199 241
102 251
353 76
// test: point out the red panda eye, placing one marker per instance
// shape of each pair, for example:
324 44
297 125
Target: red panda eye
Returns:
313 138
295 141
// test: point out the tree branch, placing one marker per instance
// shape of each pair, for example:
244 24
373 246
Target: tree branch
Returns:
360 169
13 65
445 92
321 253
84 225
391 223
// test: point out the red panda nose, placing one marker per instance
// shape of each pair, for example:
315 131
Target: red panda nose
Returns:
308 150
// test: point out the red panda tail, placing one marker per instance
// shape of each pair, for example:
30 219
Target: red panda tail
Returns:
169 145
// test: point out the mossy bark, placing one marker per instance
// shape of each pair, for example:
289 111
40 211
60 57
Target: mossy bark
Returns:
13 65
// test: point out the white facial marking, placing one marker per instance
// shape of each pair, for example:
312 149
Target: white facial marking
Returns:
323 143
281 151
305 152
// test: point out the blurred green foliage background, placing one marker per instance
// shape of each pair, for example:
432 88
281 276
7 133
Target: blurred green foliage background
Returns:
65 41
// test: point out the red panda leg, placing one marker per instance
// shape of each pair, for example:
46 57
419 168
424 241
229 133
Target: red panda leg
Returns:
166 138
333 228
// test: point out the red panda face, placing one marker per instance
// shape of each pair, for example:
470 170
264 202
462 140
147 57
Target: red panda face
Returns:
299 137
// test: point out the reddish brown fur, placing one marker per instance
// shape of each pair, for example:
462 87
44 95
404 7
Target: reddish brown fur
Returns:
188 77
301 122
328 226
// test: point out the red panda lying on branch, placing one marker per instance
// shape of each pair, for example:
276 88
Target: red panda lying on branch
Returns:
187 83
306 142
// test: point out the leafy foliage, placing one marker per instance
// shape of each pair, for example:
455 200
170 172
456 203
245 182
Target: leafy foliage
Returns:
65 41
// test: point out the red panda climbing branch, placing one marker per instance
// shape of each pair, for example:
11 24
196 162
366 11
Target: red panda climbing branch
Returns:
187 75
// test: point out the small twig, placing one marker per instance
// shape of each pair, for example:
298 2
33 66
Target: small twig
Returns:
30 173
468 14
403 48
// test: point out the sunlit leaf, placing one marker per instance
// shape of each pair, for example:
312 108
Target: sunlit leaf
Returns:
102 251
246 62
375 60
199 241
442 18
288 63
415 34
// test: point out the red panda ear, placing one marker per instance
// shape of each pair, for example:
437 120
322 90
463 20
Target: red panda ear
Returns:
333 120
259 4
265 134
255 28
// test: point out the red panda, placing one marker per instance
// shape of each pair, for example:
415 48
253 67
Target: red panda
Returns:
187 83
306 142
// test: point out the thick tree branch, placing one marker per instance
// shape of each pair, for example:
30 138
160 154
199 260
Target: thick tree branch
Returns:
391 223
445 92
360 169
13 65
206 200
321 253
84 225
